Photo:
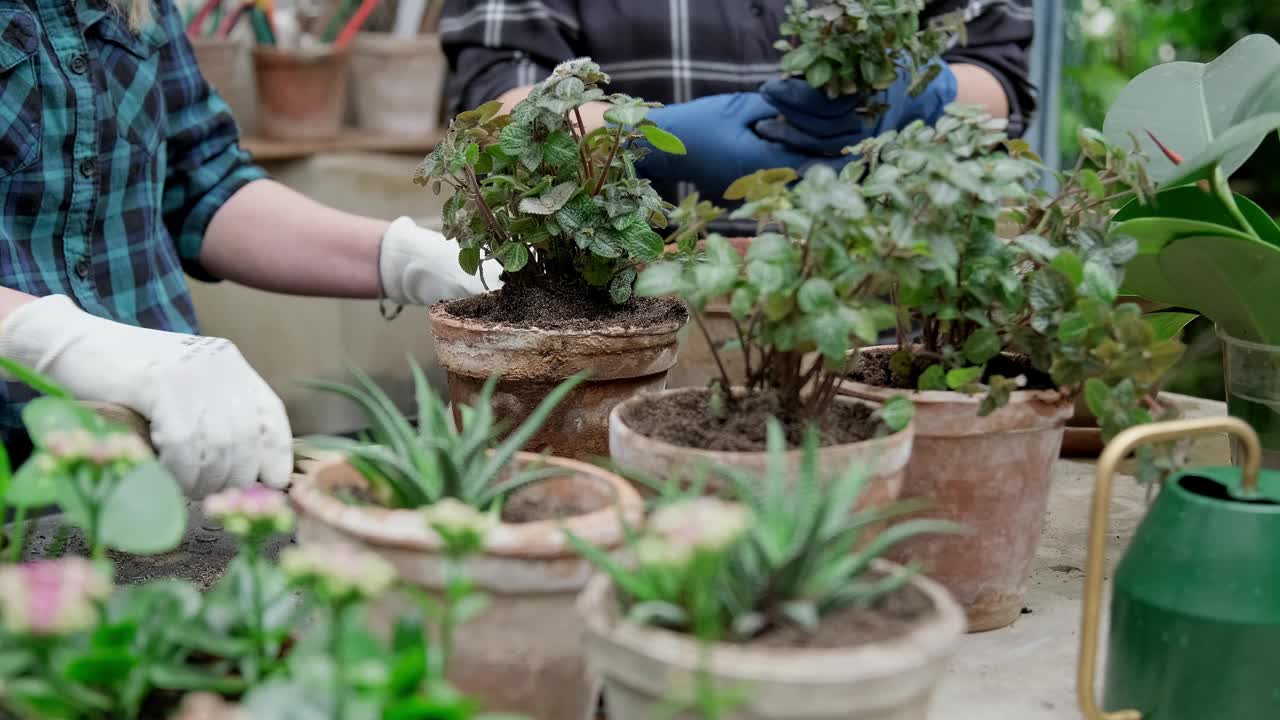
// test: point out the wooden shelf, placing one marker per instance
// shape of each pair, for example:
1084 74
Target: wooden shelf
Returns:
349 140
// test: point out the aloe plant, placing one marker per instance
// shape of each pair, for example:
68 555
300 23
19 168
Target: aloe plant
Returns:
787 549
412 467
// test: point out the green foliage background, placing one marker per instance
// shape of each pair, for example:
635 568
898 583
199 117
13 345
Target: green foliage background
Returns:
1110 41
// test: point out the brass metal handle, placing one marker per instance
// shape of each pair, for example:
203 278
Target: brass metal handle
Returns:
1099 521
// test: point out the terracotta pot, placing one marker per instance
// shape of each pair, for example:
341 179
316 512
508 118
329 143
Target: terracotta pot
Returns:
301 94
397 83
892 680
888 455
532 361
525 653
226 66
990 474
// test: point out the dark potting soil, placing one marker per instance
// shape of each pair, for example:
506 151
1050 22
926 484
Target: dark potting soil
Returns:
539 501
685 419
873 369
564 309
887 618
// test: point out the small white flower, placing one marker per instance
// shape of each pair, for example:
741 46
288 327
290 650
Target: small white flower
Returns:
457 516
706 523
339 569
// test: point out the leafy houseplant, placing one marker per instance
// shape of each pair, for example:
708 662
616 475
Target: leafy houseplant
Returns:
74 646
1009 331
798 300
103 479
562 211
847 47
556 206
473 525
738 590
1202 246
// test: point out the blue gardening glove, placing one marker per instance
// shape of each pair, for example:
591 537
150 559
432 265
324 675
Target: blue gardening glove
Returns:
722 146
814 124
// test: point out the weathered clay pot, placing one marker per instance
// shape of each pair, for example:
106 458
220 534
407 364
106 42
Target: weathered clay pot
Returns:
893 680
301 94
226 65
886 456
397 83
524 654
532 361
990 474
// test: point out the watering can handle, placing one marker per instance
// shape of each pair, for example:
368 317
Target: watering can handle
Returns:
1099 521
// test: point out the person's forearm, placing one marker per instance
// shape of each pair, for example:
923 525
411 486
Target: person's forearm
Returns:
592 113
276 239
11 300
977 86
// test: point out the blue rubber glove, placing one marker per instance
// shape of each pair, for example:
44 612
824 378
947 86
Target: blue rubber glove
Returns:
814 124
722 146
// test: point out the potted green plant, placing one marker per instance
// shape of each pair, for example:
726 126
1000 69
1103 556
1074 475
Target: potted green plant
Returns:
1201 245
854 53
996 336
760 607
401 494
564 214
799 301
74 646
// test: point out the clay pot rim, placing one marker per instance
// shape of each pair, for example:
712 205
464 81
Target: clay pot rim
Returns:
726 456
386 44
950 397
405 529
287 58
440 315
932 638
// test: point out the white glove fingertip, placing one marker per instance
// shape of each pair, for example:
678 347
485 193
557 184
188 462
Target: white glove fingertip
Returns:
276 443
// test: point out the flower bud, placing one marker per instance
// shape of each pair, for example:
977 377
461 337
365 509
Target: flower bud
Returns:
339 571
251 510
705 523
52 597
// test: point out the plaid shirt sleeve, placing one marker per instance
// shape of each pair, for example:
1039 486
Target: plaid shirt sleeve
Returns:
206 165
497 45
999 34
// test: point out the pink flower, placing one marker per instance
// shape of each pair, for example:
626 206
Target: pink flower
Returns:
79 445
249 509
52 597
207 706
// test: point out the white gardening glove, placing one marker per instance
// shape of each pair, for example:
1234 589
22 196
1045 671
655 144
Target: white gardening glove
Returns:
214 421
420 267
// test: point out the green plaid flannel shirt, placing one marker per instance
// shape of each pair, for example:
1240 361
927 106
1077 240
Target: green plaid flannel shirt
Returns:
114 156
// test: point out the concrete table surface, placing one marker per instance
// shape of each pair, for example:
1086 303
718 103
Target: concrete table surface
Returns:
1027 671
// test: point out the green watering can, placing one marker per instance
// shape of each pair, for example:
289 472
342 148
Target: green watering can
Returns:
1195 609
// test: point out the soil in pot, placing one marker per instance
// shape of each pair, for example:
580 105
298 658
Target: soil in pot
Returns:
991 474
888 617
567 309
686 419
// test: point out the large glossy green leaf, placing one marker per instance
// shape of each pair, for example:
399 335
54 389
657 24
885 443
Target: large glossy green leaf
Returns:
1168 324
1191 203
145 515
1210 114
1233 282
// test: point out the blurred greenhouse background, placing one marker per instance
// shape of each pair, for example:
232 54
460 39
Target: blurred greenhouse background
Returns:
1107 42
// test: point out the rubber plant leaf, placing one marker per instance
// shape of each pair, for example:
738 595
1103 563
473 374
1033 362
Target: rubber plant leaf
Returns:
1230 281
1191 203
1210 114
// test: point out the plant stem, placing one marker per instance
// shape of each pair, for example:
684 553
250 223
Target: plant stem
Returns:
454 582
1223 190
259 610
18 534
608 163
340 664
715 353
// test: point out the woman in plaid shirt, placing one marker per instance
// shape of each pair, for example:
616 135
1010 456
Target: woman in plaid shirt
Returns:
706 60
120 170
